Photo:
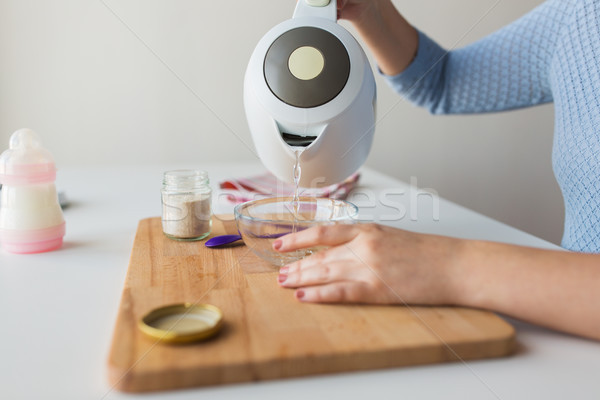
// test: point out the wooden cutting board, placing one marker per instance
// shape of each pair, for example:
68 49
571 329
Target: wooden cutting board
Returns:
267 334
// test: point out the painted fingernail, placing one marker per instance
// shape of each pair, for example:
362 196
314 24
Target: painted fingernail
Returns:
299 294
284 270
282 278
277 244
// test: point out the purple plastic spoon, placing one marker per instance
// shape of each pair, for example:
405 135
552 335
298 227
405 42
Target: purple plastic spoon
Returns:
222 240
226 239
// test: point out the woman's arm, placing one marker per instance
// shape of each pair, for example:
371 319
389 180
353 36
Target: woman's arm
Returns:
378 264
505 70
556 289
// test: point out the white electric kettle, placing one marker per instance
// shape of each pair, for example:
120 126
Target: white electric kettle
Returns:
309 87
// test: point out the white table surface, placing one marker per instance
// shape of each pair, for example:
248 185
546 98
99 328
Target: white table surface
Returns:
58 309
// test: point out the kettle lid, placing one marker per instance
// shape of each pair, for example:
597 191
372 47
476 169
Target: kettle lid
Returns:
306 67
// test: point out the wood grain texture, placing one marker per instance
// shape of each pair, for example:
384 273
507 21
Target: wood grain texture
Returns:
267 334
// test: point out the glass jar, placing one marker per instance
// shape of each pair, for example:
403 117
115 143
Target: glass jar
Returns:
186 204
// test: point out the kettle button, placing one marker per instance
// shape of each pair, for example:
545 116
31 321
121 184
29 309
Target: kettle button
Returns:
318 3
306 63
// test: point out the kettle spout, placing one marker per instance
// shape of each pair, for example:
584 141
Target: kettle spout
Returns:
299 135
297 140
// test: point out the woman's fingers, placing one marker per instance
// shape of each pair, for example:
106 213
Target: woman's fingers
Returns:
308 272
337 292
324 235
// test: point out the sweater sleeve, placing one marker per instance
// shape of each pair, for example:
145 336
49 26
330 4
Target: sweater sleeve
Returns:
505 70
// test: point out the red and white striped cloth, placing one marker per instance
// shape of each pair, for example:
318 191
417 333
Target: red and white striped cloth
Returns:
240 190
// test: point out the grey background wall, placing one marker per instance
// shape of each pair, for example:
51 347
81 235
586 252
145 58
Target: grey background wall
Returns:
154 81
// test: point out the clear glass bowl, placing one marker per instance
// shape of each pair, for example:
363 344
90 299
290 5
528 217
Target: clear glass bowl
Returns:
261 222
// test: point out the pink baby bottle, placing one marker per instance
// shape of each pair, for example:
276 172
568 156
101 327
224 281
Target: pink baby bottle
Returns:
31 220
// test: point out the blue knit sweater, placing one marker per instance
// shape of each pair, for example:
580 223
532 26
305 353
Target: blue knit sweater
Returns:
550 54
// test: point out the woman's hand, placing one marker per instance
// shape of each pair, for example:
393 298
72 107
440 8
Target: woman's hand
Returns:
369 263
354 10
391 39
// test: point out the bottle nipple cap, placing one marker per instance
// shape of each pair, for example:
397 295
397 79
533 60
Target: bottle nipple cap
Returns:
26 161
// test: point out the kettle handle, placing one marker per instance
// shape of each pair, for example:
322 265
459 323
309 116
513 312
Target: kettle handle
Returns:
317 8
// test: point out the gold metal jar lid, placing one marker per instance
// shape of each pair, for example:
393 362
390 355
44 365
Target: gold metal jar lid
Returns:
182 323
